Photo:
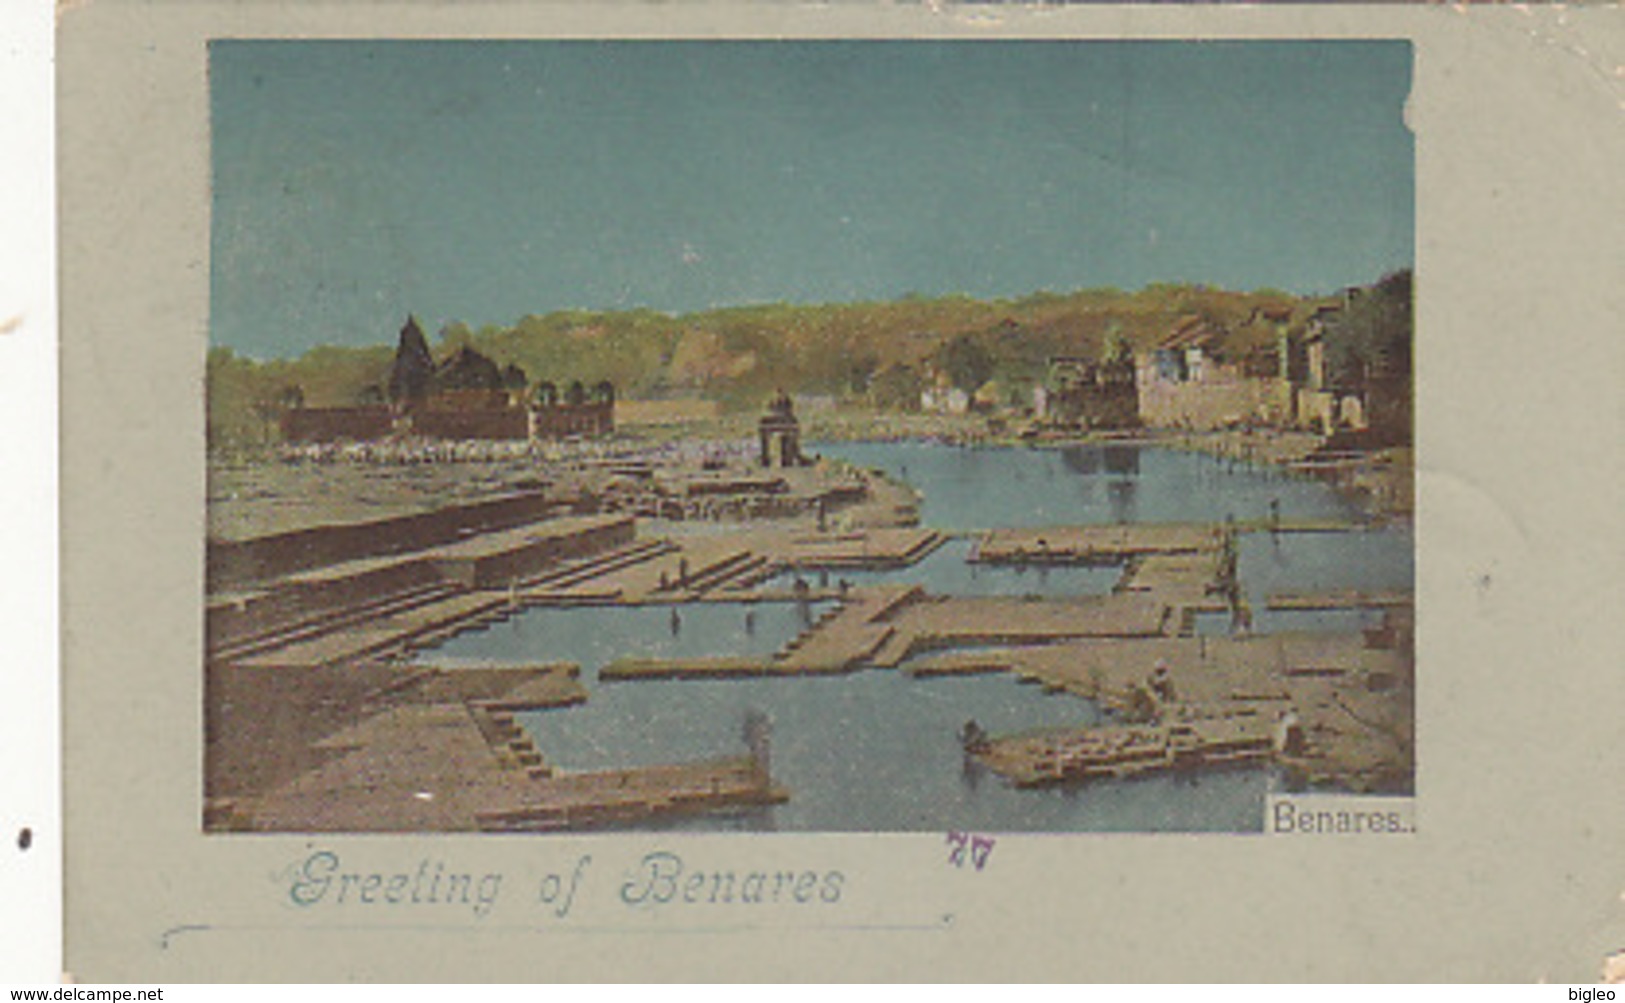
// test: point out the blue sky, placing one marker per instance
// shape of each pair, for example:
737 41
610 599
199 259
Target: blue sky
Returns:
355 182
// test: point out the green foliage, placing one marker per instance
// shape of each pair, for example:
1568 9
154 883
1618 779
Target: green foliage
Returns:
875 353
859 371
1114 346
469 370
246 398
1373 336
897 388
238 395
967 361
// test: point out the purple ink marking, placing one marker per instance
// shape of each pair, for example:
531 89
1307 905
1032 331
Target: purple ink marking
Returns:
956 856
980 848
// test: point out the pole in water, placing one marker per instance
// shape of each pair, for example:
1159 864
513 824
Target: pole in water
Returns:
757 732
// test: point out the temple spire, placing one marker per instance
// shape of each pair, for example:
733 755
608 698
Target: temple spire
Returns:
413 369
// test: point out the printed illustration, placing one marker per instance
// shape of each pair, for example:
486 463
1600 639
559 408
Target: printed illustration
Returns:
844 436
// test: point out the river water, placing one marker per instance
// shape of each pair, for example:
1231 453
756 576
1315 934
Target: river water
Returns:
877 750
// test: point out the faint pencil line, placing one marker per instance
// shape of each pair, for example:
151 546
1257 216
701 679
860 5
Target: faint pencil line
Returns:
169 935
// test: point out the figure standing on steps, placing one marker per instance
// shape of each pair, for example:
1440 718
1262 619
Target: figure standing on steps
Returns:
1161 682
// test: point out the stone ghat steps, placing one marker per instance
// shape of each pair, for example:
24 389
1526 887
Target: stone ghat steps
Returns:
963 663
510 743
336 620
883 602
708 572
492 686
893 651
880 553
611 797
735 566
719 667
839 649
796 643
1060 756
1158 572
421 626
873 548
366 613
851 635
763 572
1345 599
1092 544
597 566
945 622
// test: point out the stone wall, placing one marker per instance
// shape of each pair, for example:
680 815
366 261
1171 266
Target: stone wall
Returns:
475 415
237 562
491 560
492 423
1221 395
594 418
303 598
495 561
333 424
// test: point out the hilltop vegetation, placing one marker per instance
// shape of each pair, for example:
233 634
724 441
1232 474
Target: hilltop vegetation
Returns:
878 355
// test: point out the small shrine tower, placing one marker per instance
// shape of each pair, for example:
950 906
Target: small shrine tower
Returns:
780 434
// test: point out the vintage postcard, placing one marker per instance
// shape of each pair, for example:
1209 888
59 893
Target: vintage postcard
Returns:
623 482
810 436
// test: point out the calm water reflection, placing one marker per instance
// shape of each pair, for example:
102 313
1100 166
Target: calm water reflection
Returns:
878 751
946 572
983 487
594 636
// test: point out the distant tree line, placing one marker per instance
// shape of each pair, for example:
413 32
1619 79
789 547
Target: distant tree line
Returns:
875 355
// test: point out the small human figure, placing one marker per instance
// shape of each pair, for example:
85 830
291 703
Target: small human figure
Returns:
972 738
676 622
1289 735
1141 707
1161 682
1241 620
